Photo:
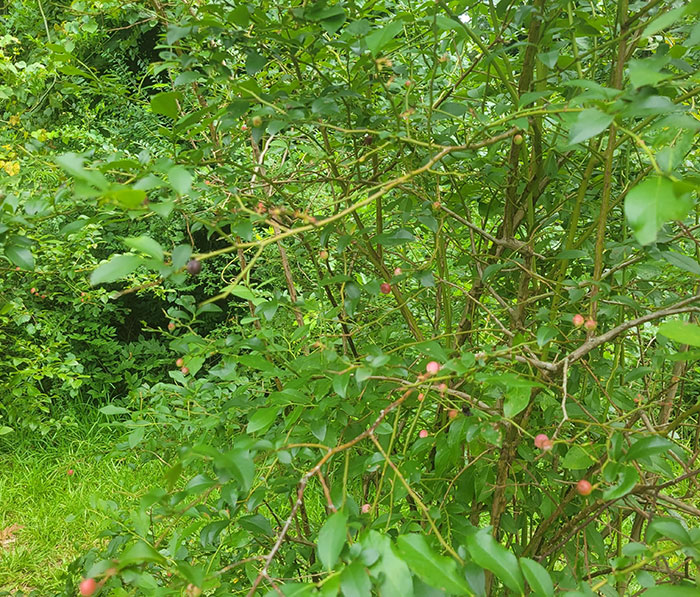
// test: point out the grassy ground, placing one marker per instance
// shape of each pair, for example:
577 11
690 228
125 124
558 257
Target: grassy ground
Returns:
48 517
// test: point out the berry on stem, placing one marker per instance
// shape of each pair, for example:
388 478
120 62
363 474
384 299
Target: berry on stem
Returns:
423 433
540 438
88 587
385 288
578 320
590 324
432 367
584 487
366 508
398 272
194 266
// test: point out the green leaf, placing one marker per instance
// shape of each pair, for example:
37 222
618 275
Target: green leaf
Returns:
577 458
354 581
626 480
648 446
682 332
262 419
377 40
181 255
254 63
490 554
140 553
671 528
396 577
588 124
166 103
146 245
257 524
436 570
331 539
110 409
20 256
682 262
517 399
537 577
546 334
4 430
652 203
667 590
180 179
117 267
667 19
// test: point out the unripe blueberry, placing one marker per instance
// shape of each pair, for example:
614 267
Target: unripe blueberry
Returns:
408 83
583 487
194 266
540 439
385 288
578 320
423 433
590 324
88 587
432 367
32 291
366 508
256 121
518 139
171 326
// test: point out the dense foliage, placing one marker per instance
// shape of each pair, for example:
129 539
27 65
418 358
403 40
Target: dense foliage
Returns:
403 292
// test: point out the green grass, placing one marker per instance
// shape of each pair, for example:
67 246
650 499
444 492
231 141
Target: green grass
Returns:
57 514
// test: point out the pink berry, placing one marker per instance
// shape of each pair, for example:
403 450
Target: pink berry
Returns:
70 472
385 288
408 83
17 268
453 413
180 362
583 487
547 445
420 397
32 291
540 439
578 320
171 326
432 367
366 508
442 388
398 272
88 587
423 433
590 324
184 370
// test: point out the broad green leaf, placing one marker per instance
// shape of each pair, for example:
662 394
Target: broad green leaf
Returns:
545 334
257 524
340 384
331 539
682 332
652 203
577 459
588 124
682 262
647 72
436 570
181 255
124 197
667 19
4 430
354 581
671 528
537 577
377 40
20 256
139 553
648 446
626 480
490 554
117 267
254 63
395 576
166 103
517 399
668 590
110 409
146 245
262 419
180 179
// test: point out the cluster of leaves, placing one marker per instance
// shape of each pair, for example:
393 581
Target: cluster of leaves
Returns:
368 190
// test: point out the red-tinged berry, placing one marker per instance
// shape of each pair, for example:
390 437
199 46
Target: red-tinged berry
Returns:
88 587
518 139
184 370
432 368
171 326
453 413
32 291
194 266
437 205
366 508
398 272
590 324
583 487
442 388
423 433
70 472
408 83
180 362
547 445
540 439
385 288
578 320
421 396
323 254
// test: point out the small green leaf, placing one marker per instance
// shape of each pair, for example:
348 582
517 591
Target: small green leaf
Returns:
180 179
577 458
20 256
537 577
165 103
146 245
110 409
140 553
117 267
648 446
262 419
181 255
667 590
671 528
331 539
588 124
545 334
378 39
354 581
652 203
436 570
490 554
626 480
254 62
682 332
